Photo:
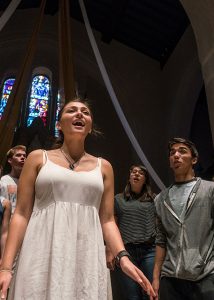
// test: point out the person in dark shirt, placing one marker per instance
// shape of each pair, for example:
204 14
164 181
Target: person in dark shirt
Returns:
135 216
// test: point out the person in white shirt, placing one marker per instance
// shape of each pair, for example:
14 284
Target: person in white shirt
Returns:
16 157
5 214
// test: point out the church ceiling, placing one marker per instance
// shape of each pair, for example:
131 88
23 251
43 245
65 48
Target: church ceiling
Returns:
152 27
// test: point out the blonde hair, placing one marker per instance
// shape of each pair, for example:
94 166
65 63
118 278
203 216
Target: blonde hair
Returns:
12 151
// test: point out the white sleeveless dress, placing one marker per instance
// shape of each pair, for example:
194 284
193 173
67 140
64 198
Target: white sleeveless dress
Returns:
63 255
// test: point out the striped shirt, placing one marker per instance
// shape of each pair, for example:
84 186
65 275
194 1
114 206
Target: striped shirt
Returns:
136 219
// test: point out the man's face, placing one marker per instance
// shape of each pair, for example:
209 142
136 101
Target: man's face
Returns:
181 160
18 159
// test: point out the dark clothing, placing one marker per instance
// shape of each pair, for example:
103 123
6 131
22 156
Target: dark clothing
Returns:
189 242
136 219
180 289
143 258
136 222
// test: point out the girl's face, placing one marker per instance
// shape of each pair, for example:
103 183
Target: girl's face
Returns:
75 119
137 179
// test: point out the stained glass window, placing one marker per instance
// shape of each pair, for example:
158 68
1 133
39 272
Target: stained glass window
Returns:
58 107
7 88
38 106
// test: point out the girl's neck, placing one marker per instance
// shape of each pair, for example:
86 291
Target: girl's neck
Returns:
73 148
136 191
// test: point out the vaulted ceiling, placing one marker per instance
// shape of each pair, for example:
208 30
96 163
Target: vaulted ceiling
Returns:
152 27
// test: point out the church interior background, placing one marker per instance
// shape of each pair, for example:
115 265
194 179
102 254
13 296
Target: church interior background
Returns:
157 65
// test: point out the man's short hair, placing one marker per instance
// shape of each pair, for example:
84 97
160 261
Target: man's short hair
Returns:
186 142
12 151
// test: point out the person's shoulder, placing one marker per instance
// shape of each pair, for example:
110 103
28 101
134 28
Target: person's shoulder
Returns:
119 202
119 197
34 158
105 165
161 196
35 153
105 162
206 183
106 168
5 178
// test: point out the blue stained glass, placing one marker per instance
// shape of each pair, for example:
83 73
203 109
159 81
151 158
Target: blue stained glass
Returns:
38 106
7 88
58 107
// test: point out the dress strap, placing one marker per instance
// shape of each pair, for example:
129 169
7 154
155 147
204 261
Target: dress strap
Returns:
99 162
45 157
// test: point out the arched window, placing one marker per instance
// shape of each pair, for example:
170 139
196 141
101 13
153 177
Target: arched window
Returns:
7 88
39 96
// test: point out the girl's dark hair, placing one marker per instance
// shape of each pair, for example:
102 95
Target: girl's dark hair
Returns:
146 192
94 131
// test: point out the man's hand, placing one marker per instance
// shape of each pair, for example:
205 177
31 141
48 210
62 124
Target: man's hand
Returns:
155 285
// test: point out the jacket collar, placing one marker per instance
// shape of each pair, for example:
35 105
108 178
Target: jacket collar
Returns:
190 200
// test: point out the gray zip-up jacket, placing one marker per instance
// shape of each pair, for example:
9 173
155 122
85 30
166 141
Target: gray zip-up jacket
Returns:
189 243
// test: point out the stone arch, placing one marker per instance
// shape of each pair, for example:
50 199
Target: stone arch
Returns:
203 10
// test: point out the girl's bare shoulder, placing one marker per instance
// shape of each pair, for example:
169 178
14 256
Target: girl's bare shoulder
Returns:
35 155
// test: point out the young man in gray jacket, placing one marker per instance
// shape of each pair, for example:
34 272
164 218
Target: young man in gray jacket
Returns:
184 262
